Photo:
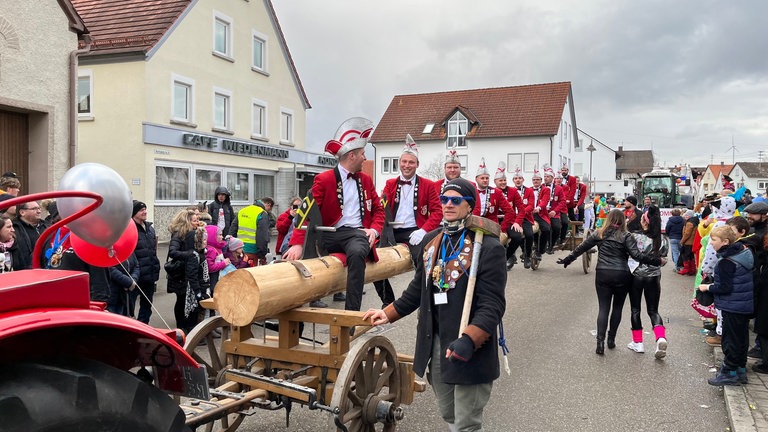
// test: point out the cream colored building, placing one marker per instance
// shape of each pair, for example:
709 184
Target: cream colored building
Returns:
37 73
210 99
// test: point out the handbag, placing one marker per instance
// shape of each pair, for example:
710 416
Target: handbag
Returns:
174 268
704 298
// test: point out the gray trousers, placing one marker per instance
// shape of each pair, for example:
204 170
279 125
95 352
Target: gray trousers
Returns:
459 405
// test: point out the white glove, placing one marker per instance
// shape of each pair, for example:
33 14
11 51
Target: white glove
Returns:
416 237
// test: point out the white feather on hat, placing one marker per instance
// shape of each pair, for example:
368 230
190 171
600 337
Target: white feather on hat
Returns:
536 174
548 171
501 171
410 146
482 169
452 157
352 134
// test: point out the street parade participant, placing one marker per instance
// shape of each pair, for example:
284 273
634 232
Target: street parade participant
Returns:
612 276
576 213
554 206
415 206
540 213
451 167
564 221
461 370
571 184
348 201
526 240
518 210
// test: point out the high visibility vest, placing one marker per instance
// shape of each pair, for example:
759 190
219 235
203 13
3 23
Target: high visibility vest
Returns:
246 223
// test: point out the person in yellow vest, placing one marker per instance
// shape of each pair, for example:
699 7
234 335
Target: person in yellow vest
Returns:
252 227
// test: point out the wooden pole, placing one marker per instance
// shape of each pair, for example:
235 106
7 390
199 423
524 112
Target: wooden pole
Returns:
471 283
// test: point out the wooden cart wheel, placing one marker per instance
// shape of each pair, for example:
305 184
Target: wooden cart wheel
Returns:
203 345
368 386
586 261
534 260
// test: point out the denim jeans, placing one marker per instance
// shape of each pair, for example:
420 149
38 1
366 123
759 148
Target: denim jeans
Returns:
674 246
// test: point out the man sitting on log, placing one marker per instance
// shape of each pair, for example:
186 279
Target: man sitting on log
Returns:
348 201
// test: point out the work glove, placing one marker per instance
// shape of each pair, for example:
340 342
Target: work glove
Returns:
565 261
415 238
462 349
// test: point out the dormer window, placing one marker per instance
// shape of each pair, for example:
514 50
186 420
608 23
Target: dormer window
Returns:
457 130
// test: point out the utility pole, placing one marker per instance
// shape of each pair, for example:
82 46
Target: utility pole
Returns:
733 152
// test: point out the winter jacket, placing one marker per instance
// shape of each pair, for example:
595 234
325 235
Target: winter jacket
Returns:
26 237
284 222
146 253
645 244
674 228
689 232
121 278
615 248
229 212
180 249
733 287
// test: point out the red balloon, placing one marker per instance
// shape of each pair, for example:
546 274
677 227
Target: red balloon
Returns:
107 257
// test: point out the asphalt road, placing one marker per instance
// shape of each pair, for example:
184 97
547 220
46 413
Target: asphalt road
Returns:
557 382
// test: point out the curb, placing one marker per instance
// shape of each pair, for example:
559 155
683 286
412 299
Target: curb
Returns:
740 413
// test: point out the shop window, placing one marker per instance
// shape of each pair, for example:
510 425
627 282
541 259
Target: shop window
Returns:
206 182
263 185
84 93
222 35
259 121
259 60
238 185
172 183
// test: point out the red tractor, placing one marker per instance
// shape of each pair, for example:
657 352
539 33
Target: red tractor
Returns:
66 364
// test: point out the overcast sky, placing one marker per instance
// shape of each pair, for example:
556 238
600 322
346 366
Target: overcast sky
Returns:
686 78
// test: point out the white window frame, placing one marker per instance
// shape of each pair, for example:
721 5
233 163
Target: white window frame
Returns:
192 179
390 165
263 106
464 161
288 129
230 23
227 126
190 192
461 139
530 164
261 37
514 161
85 73
762 185
189 82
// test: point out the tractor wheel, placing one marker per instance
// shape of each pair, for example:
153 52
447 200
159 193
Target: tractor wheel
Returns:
82 395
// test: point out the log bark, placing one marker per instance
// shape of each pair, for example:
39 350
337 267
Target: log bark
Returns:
247 295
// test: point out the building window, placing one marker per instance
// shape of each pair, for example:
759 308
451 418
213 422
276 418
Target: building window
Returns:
222 113
390 165
259 119
531 161
263 185
580 144
172 183
464 162
514 161
84 93
761 185
238 184
428 128
222 35
286 126
259 58
206 182
182 99
457 131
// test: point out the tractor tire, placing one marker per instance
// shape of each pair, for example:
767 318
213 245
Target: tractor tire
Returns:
82 395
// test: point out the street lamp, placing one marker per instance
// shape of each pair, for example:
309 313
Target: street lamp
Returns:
591 149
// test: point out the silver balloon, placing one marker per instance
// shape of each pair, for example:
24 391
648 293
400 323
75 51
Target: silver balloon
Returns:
103 226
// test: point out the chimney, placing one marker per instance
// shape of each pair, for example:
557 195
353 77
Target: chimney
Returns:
621 149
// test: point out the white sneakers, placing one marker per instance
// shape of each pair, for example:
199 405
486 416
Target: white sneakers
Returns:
661 348
636 347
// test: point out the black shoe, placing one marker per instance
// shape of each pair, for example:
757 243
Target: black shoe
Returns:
510 264
538 256
318 304
550 251
527 262
760 368
755 353
710 325
600 349
339 297
611 342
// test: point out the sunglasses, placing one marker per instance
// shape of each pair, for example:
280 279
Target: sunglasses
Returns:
295 207
455 200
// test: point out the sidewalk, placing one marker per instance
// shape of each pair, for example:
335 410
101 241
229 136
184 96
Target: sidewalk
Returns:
747 405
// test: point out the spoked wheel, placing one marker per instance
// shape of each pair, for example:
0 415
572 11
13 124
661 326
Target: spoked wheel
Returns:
586 257
204 345
367 390
82 395
534 261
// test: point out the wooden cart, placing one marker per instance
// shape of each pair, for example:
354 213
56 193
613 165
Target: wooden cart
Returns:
574 239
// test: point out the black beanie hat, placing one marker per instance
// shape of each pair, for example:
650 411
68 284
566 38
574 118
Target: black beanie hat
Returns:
632 200
137 206
464 187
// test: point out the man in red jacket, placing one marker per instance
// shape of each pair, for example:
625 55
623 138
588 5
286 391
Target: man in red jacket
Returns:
415 206
576 213
526 239
348 201
555 206
452 169
512 196
541 200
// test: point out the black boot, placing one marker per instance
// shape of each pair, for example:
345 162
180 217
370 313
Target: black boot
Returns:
600 349
611 342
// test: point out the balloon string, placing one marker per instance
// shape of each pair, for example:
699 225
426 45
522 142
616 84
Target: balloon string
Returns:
160 315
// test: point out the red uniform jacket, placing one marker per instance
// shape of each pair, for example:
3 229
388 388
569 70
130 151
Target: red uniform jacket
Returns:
557 203
497 205
570 186
429 213
519 209
581 188
324 192
542 202
528 204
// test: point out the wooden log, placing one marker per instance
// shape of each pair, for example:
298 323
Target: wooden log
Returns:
247 295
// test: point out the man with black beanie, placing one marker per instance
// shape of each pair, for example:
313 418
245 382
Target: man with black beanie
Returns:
149 264
633 214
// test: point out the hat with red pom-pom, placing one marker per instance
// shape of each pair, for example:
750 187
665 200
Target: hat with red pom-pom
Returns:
352 134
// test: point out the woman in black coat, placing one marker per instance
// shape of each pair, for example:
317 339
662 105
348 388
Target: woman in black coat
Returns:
181 248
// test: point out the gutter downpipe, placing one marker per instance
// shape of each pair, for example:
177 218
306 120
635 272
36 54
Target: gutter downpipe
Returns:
73 117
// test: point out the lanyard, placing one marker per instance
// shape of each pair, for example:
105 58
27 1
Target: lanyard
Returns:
454 254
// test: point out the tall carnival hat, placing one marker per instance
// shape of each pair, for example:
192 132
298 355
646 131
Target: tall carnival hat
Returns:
410 146
536 174
452 157
501 171
518 172
565 167
352 134
482 169
548 171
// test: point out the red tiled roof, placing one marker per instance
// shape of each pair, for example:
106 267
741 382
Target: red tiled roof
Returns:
718 169
531 110
128 26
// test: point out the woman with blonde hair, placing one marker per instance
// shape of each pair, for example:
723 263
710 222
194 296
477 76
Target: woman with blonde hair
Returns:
612 276
181 248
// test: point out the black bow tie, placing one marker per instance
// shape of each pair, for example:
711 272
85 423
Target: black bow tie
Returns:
353 176
404 182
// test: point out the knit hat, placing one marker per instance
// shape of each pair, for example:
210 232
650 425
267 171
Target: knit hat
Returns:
482 169
234 243
632 200
464 187
137 207
452 157
410 146
351 135
689 213
501 171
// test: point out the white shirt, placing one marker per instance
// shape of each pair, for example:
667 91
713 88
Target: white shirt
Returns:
405 212
350 214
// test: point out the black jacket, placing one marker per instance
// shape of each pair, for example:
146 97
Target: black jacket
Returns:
26 237
614 251
121 278
146 253
756 241
229 212
180 249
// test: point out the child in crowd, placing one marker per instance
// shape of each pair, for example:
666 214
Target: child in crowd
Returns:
733 291
214 254
234 253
